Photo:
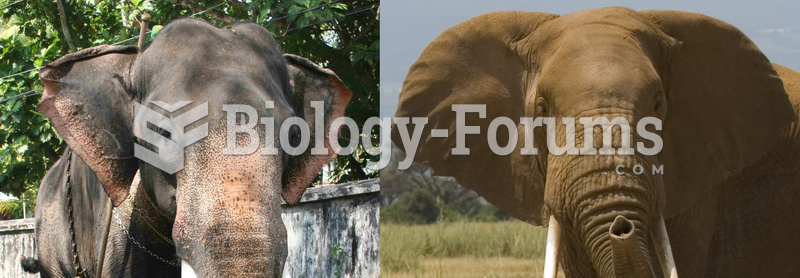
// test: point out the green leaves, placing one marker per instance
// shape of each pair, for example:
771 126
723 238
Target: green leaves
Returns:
264 7
31 36
27 142
9 32
365 53
155 31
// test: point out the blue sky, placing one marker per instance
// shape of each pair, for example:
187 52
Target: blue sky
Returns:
407 26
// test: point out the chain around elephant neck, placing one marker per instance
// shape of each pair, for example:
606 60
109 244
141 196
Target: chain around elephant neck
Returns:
80 271
76 263
133 199
173 262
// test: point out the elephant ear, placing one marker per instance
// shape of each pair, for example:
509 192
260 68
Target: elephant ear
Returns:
725 106
475 62
310 82
87 101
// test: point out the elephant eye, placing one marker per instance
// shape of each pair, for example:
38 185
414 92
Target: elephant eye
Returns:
159 130
294 136
659 103
541 107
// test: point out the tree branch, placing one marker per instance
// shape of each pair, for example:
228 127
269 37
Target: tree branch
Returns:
64 27
256 14
211 13
358 36
357 170
237 3
341 33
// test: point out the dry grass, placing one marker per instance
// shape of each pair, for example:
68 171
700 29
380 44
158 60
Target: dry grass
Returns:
465 249
472 267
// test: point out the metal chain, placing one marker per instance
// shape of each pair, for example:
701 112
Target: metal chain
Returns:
119 222
80 272
136 208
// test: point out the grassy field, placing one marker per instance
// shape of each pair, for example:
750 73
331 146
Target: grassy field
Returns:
463 249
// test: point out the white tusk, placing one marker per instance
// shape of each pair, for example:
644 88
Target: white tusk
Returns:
187 271
663 249
551 250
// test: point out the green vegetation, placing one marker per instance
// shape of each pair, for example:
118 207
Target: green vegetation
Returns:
423 236
342 35
337 253
415 207
404 247
420 206
12 209
472 267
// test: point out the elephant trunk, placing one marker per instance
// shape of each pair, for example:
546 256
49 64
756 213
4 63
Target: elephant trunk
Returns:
626 251
609 204
226 242
228 223
616 237
229 252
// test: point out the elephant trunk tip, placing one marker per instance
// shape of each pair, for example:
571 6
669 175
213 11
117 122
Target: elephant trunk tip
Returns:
628 257
622 228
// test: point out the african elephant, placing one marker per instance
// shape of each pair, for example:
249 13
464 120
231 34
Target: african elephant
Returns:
724 184
220 214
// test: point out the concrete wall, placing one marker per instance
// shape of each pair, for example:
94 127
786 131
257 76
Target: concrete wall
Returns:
16 239
340 219
333 229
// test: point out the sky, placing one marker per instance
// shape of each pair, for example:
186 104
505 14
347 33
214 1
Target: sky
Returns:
407 26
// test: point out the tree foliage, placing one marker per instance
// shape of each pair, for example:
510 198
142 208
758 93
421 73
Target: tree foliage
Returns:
20 207
341 35
416 207
419 205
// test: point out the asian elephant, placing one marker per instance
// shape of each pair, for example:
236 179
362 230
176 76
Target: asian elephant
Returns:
220 213
725 184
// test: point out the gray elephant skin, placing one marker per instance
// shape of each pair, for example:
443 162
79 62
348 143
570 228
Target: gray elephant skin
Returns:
221 213
731 147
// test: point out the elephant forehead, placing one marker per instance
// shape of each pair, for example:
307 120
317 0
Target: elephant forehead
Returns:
612 16
190 57
585 84
600 73
621 27
207 165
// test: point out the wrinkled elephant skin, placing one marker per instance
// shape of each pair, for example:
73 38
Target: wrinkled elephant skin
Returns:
724 204
219 214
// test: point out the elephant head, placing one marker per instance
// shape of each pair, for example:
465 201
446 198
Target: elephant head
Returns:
719 99
215 82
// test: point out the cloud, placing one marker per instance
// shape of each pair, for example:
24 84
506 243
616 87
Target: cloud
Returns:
778 30
390 93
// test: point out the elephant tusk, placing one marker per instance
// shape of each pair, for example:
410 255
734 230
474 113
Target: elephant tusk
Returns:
551 249
187 271
663 249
